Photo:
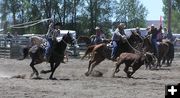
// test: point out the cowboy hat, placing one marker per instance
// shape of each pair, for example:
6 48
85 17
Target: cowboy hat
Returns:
97 28
137 28
122 25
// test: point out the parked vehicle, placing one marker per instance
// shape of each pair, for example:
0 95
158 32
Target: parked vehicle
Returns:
143 31
72 50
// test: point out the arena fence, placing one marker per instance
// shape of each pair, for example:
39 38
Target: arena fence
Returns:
12 48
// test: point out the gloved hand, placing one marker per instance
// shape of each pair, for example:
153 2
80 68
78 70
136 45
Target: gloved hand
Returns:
124 37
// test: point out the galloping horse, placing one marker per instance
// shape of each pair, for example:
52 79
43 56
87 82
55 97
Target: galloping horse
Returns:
135 40
101 51
163 49
56 55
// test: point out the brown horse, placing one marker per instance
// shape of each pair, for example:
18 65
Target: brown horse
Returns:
56 55
101 52
88 51
163 49
135 40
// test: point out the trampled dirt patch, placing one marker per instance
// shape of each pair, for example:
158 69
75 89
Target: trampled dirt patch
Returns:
72 83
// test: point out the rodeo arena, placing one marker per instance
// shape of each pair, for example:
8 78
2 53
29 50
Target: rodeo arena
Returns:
128 65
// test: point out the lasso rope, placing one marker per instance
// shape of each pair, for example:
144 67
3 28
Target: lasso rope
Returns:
30 23
132 46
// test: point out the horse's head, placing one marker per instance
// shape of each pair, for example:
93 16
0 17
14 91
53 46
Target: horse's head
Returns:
68 38
135 37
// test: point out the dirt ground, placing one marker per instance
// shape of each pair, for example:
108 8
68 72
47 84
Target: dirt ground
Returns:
72 83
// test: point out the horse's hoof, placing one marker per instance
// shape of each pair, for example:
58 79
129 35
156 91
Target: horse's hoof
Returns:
129 76
86 74
37 78
53 78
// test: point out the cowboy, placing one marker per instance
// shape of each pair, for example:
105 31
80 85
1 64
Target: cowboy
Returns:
53 32
116 38
99 35
154 31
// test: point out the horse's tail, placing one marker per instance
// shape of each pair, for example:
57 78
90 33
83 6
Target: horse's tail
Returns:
25 53
88 51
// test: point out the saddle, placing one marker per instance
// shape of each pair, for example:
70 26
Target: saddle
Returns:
37 42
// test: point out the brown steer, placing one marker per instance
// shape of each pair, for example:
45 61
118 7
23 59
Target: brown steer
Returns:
135 61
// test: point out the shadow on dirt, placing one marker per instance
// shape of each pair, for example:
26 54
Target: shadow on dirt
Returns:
62 79
136 78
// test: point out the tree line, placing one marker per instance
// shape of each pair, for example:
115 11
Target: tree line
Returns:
175 21
80 15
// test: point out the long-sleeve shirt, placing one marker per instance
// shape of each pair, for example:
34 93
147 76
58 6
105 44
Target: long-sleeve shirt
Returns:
155 32
117 35
52 33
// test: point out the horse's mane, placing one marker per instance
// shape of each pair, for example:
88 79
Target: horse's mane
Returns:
92 36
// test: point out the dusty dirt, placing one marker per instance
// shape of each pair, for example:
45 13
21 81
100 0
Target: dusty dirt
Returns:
72 83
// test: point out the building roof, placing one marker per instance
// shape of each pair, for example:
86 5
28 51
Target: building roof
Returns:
155 22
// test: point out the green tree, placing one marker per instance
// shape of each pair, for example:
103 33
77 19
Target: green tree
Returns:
4 13
97 11
80 15
175 22
131 12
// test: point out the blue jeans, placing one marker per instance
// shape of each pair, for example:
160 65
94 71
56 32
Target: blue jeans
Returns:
115 50
47 50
